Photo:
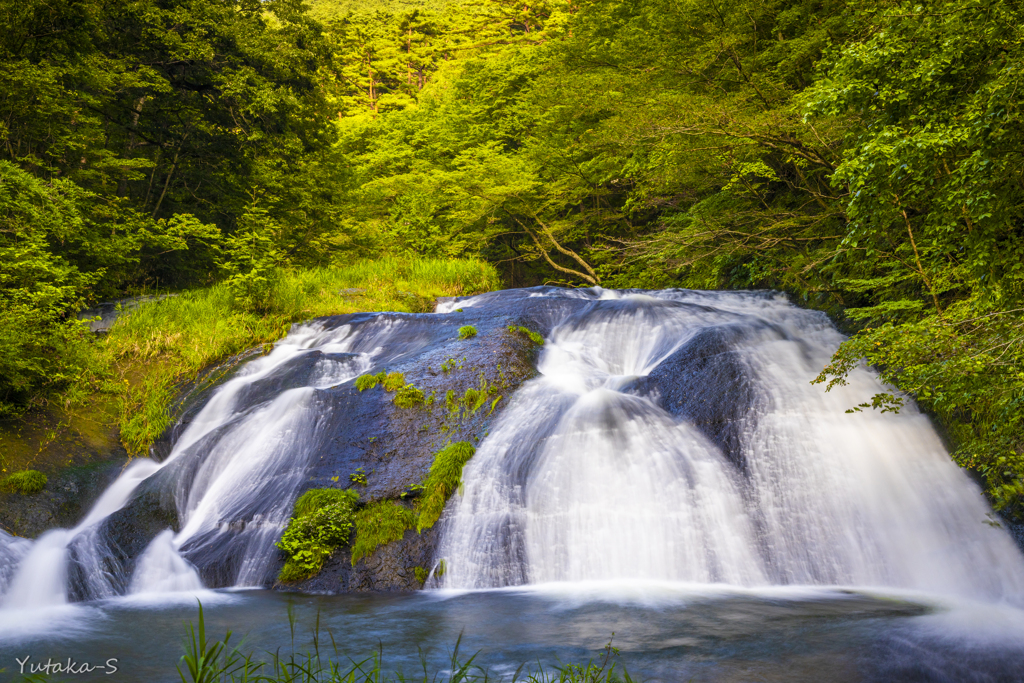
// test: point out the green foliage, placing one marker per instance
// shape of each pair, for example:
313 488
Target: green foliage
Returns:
443 480
535 337
252 265
467 332
421 574
358 477
321 522
934 199
379 523
26 482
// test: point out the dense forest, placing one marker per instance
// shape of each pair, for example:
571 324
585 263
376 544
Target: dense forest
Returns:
864 156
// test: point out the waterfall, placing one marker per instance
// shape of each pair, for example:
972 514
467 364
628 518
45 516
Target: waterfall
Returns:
668 436
618 463
233 474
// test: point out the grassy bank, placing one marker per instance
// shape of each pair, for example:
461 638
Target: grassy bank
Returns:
136 369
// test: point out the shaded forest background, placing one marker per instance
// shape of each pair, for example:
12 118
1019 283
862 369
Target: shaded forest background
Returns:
864 156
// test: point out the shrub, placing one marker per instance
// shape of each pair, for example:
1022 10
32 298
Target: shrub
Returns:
444 478
27 482
321 522
377 524
467 332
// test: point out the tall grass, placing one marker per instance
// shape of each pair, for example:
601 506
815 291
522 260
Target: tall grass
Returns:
162 343
213 661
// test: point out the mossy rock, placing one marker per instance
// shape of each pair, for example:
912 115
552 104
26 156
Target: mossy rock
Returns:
26 482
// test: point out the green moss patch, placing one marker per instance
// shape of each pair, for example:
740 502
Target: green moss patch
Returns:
377 524
409 397
26 483
467 332
443 480
406 395
393 381
535 337
364 382
321 522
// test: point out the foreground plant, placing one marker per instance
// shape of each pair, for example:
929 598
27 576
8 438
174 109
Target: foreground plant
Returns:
214 661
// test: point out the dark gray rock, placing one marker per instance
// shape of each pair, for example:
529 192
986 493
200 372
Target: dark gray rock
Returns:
67 496
706 383
391 568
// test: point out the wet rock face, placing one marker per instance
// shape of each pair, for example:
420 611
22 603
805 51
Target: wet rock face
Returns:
393 567
123 536
706 383
351 432
68 494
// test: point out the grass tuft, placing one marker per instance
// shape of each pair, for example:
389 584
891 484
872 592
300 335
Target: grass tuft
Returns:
393 381
409 397
364 382
467 332
25 483
442 481
535 337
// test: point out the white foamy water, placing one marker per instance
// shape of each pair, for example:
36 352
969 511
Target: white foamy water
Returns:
162 570
580 482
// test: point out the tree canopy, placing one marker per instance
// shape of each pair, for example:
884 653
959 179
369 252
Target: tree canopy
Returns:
864 156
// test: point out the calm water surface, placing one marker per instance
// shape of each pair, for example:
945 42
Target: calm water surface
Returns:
664 632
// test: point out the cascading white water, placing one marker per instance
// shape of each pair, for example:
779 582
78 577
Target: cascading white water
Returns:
581 481
162 570
252 456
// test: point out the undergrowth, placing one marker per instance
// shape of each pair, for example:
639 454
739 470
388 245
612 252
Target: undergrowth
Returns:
162 343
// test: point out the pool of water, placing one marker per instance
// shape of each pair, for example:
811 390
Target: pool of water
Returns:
664 632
